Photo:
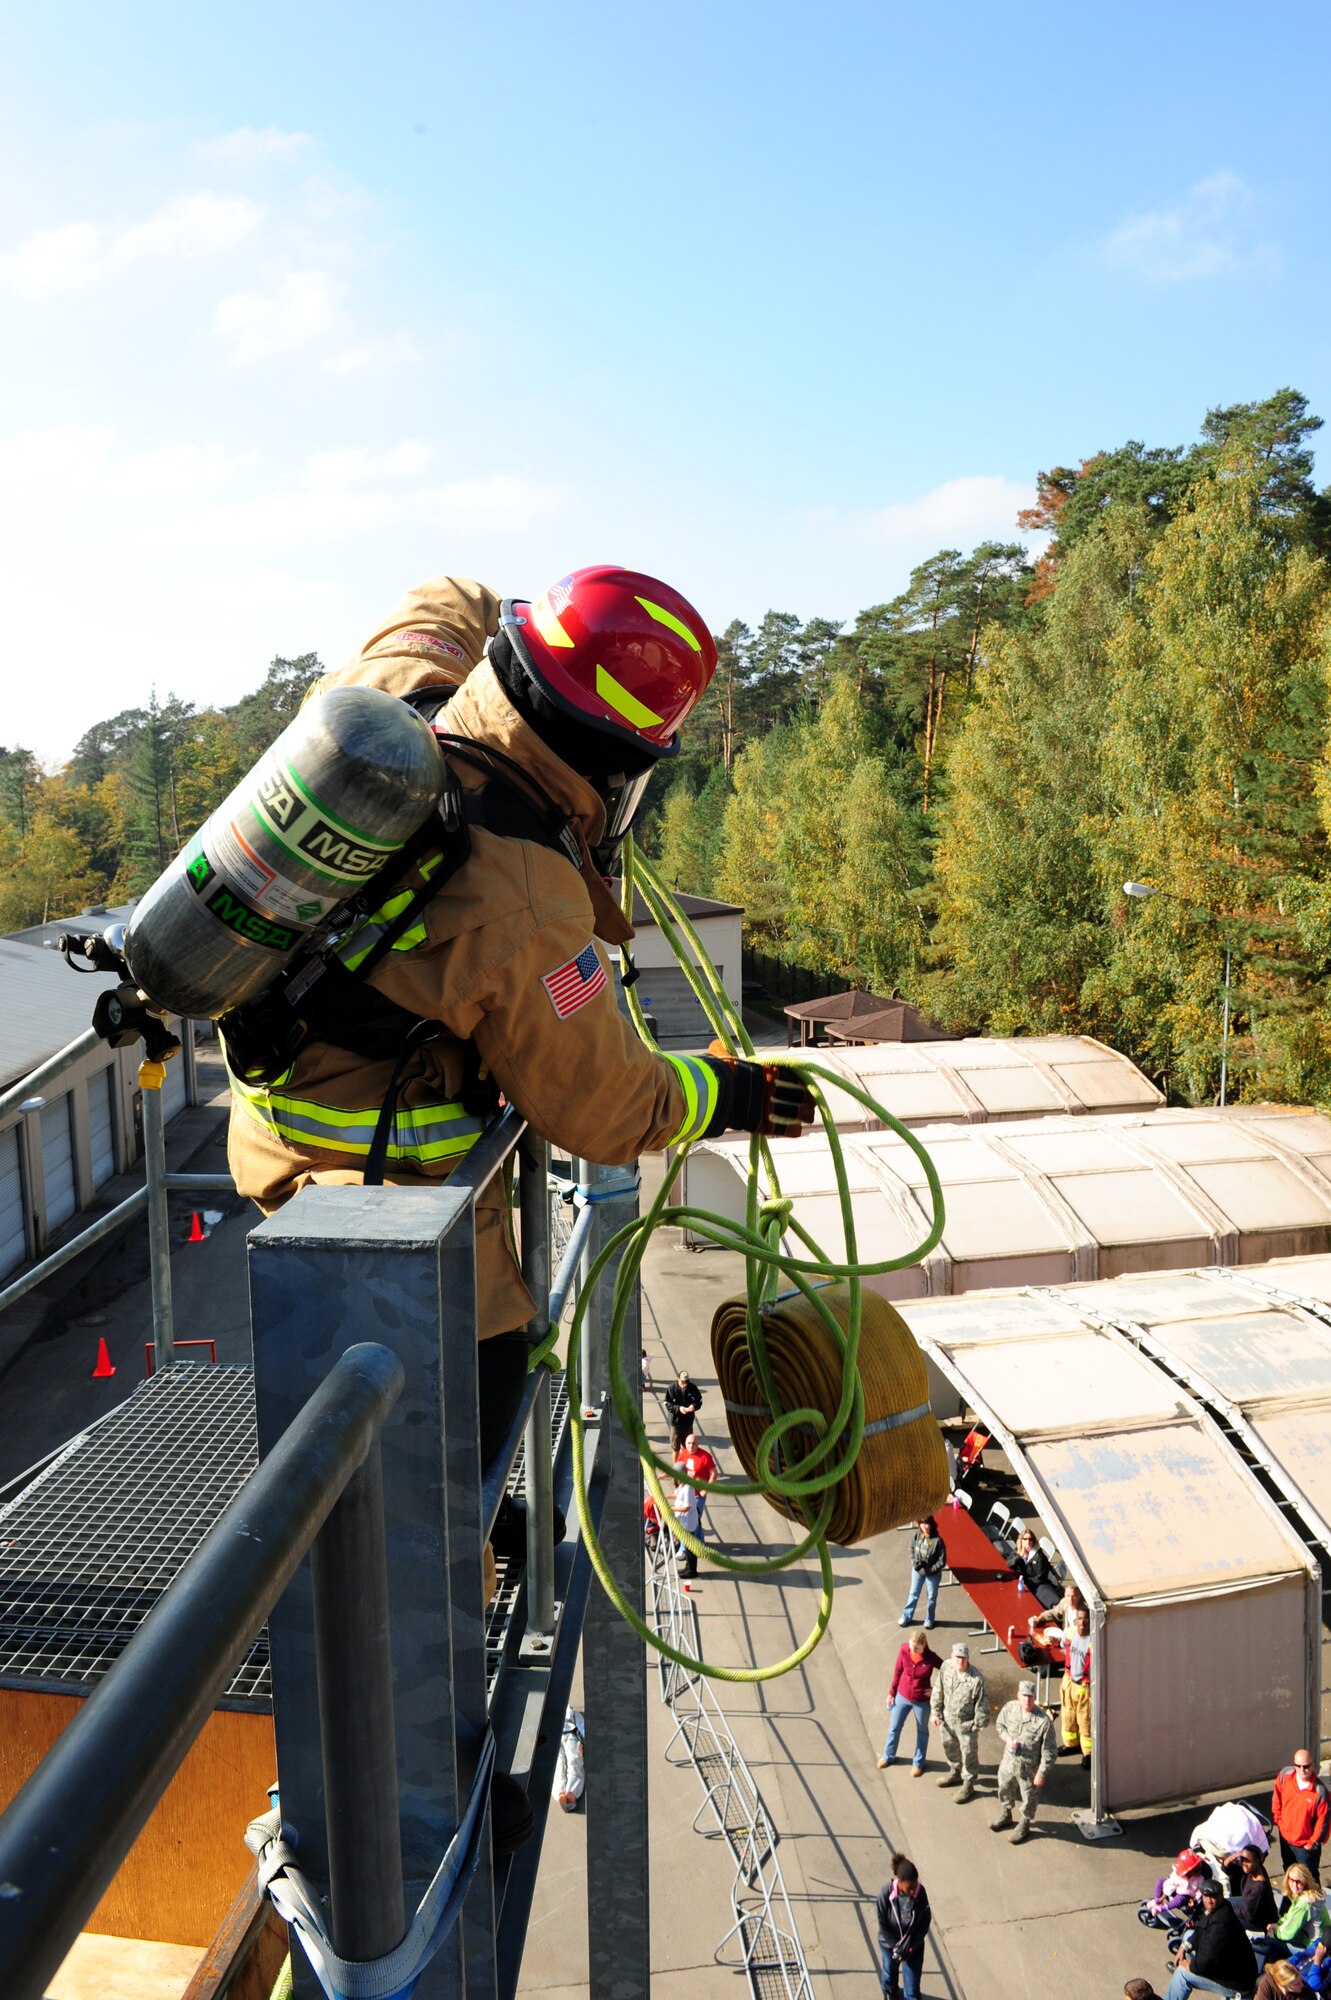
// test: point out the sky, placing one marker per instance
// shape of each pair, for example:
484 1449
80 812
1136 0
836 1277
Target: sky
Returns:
302 304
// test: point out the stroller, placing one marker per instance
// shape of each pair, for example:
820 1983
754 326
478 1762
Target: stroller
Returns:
1177 1901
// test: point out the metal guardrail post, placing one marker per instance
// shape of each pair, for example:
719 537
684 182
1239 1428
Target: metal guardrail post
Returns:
356 1719
534 1197
190 1061
336 1266
614 1675
592 1359
66 1833
151 1075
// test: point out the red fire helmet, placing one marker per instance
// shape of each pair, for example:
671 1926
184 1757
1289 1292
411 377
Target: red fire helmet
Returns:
620 651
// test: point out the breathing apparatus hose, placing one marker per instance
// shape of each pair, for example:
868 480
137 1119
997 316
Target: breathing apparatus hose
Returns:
800 1475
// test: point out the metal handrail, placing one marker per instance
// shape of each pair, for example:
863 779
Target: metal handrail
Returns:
68 1830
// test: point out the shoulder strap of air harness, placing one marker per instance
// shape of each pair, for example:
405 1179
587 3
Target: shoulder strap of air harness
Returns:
317 997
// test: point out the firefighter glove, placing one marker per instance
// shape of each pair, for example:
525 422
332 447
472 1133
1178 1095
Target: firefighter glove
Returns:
757 1097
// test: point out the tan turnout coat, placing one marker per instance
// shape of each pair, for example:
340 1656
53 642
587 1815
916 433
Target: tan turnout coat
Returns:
513 914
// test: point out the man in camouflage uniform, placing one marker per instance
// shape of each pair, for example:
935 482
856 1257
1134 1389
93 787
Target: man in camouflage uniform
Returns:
1030 1749
959 1710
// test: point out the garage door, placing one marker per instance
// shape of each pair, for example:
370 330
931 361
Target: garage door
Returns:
101 1126
666 994
173 1089
13 1238
58 1162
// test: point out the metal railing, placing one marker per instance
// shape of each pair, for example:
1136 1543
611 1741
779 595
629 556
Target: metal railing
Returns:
150 1199
68 1830
764 1939
338 1267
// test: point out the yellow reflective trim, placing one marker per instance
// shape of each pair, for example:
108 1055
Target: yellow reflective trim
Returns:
664 617
624 703
699 1084
549 627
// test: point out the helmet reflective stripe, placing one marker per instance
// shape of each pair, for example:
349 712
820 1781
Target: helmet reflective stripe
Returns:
424 1132
549 627
699 1084
664 617
624 703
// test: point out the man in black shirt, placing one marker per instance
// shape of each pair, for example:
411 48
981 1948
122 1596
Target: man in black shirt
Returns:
682 1398
1221 1959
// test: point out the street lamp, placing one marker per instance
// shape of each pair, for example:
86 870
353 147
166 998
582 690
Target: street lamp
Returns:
1143 891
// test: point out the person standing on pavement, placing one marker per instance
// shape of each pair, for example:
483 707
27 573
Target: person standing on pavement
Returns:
1030 1750
904 1917
959 1710
1300 1807
1074 1694
909 1695
928 1560
698 1464
682 1398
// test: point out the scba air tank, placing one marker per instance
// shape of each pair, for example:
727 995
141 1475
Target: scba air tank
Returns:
339 793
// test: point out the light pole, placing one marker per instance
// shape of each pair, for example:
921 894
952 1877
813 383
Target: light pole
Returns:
1143 891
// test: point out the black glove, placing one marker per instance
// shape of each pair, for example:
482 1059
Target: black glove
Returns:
757 1097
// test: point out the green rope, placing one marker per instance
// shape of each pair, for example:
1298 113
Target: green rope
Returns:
803 1477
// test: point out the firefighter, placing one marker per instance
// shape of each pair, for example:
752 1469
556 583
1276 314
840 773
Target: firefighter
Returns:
553 715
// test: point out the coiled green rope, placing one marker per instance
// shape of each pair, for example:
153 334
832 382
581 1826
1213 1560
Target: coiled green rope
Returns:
802 1476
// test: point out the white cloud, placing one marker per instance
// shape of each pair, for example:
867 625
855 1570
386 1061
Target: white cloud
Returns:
79 254
300 307
378 355
498 505
1205 234
193 225
246 147
956 514
52 261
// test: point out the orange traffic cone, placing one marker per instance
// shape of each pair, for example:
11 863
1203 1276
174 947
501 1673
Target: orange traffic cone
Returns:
197 1232
105 1366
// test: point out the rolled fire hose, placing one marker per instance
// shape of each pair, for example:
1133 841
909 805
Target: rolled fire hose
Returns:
824 1386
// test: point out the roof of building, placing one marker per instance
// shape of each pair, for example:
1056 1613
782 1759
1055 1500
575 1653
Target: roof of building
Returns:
46 1006
1048 1201
1152 1508
840 1006
974 1080
692 906
898 1023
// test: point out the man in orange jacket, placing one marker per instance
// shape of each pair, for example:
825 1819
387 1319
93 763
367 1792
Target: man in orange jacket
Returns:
1301 1808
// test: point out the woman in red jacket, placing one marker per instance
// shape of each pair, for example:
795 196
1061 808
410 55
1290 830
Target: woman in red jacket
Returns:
912 1679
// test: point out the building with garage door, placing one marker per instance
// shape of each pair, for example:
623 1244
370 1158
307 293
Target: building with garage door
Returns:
59 1146
663 988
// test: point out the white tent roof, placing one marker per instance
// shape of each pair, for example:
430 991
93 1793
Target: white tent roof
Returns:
1253 1343
1056 1200
969 1082
1205 1602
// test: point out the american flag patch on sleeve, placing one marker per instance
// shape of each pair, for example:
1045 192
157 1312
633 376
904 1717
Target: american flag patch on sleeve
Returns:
574 983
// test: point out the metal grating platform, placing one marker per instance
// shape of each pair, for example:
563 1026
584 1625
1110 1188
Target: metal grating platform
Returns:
89 1546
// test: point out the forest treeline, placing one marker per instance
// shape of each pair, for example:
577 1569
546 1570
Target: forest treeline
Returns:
944 796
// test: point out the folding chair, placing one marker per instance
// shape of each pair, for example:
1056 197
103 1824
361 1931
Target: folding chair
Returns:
1055 1560
1000 1514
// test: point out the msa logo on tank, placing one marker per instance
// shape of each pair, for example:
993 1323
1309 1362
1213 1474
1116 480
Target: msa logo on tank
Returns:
309 834
233 911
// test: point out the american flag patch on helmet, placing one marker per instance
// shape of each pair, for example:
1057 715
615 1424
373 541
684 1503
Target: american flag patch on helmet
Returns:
574 983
